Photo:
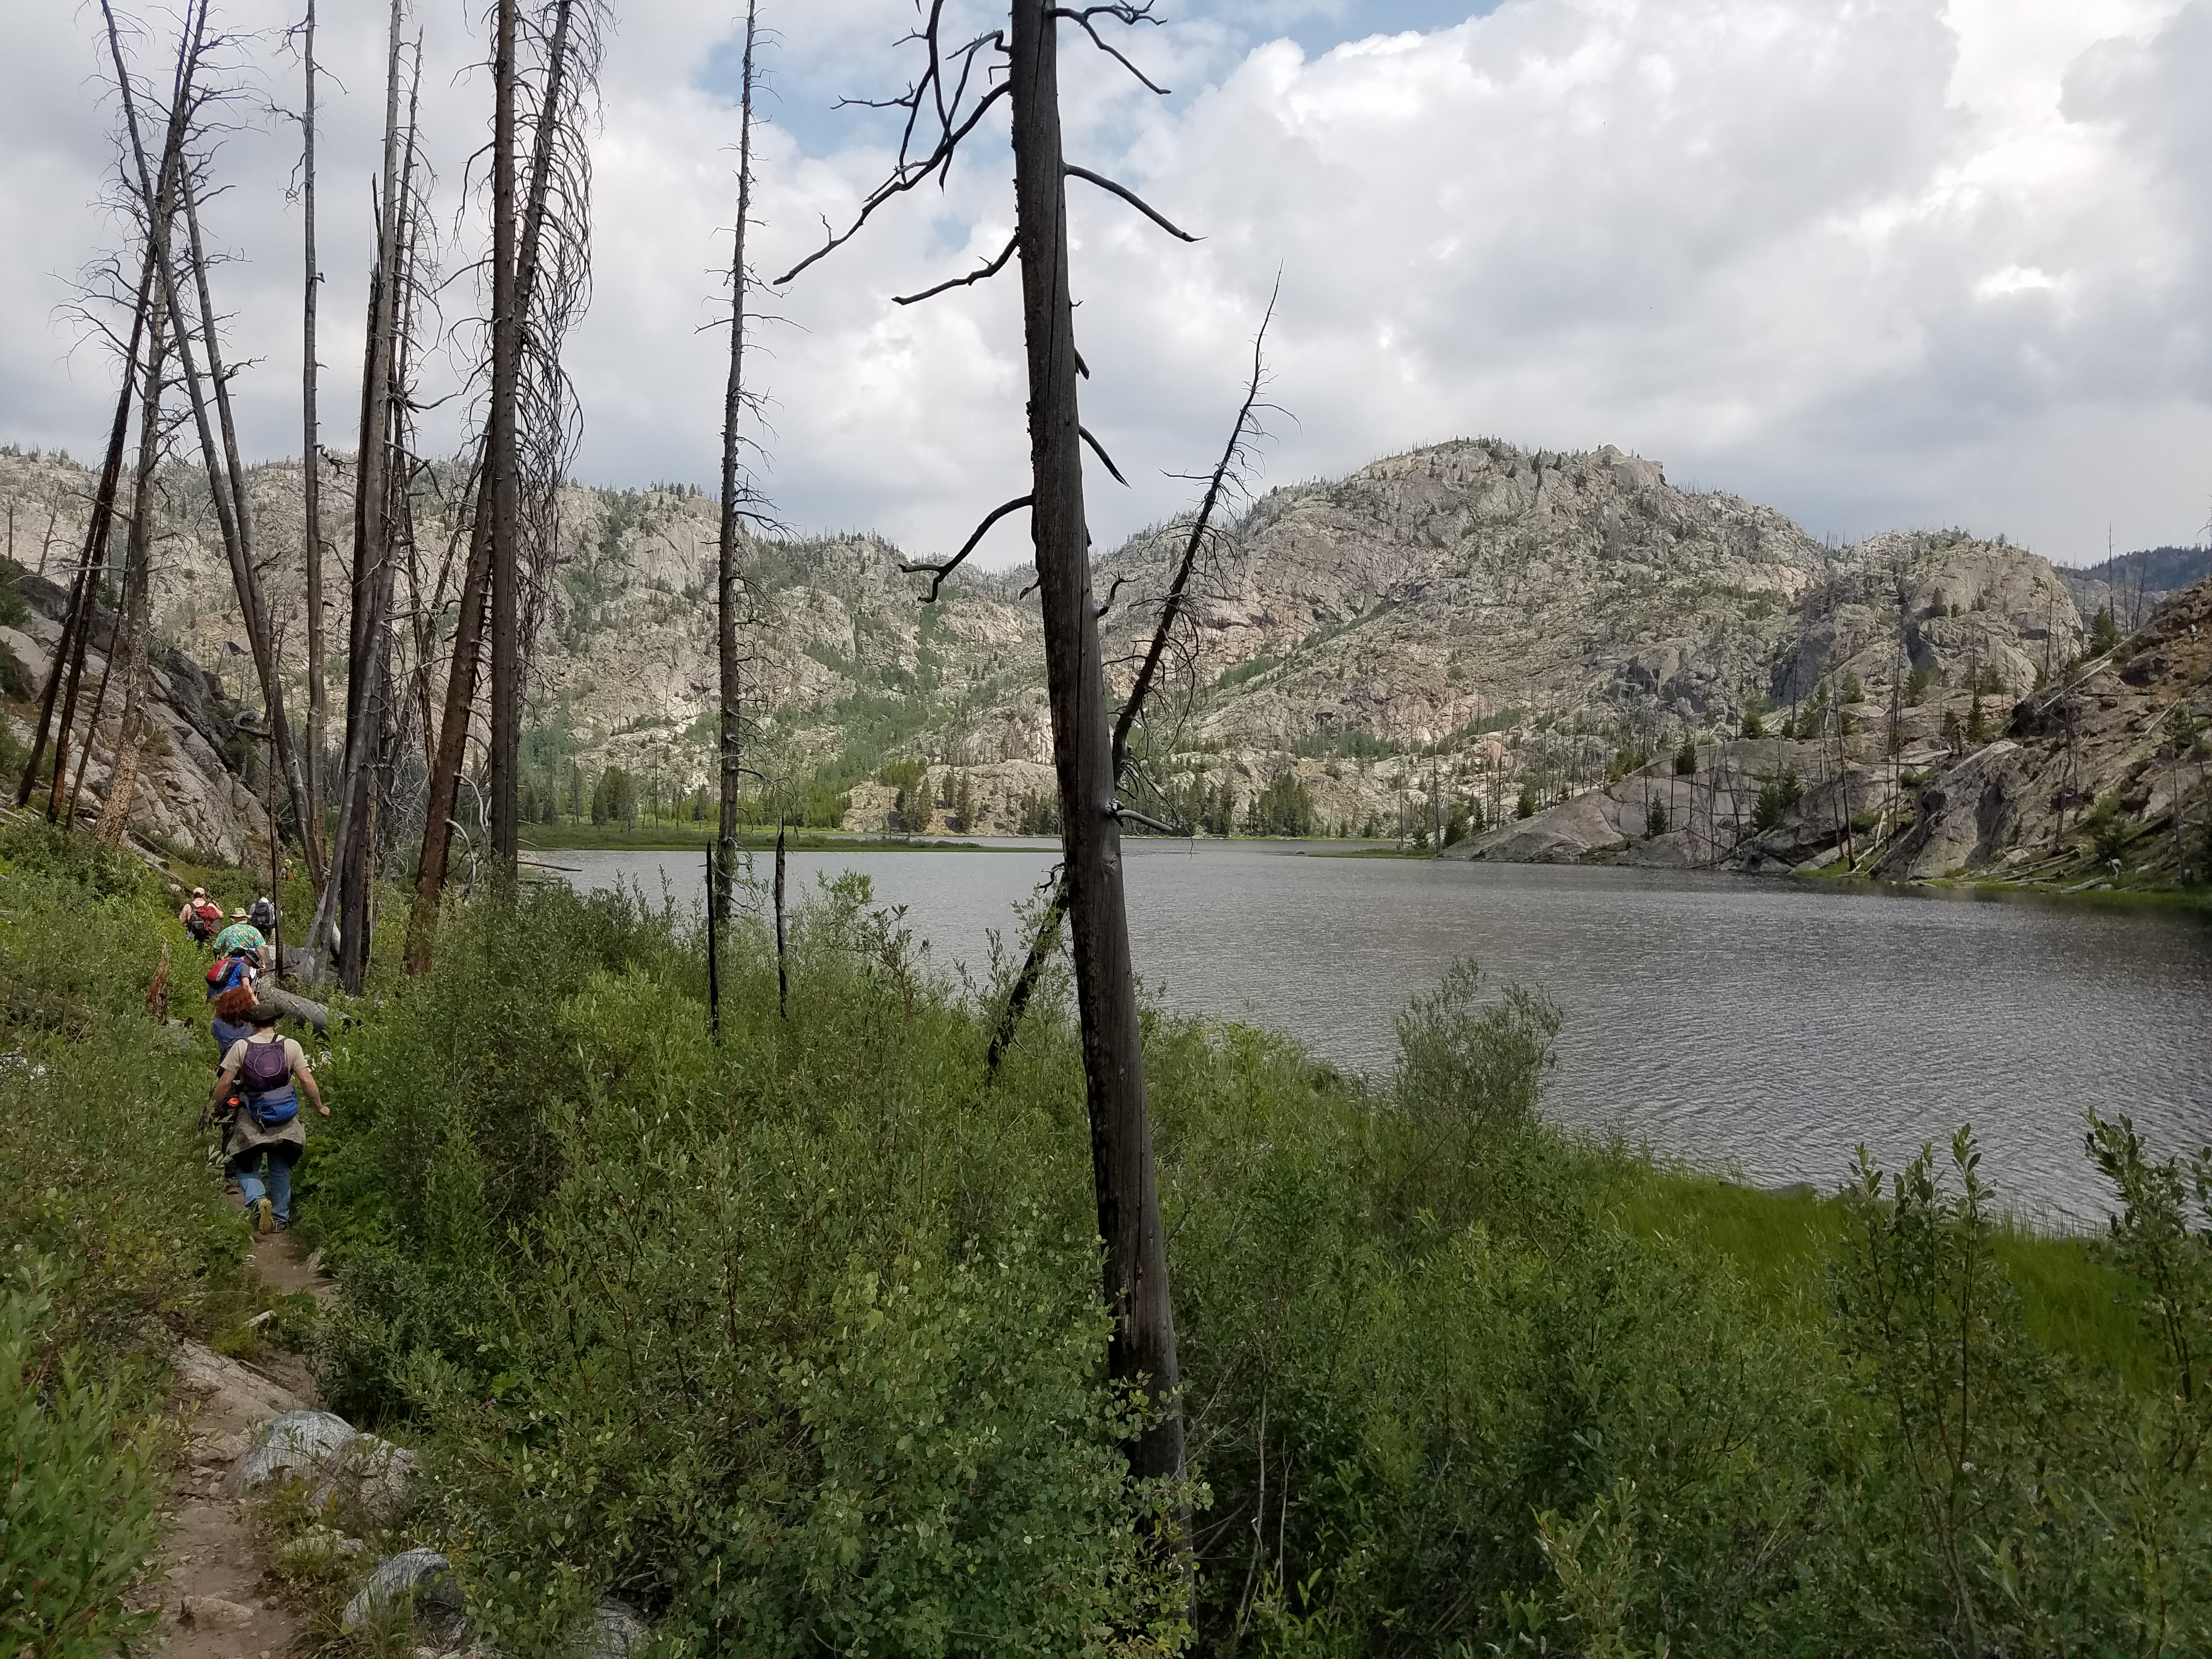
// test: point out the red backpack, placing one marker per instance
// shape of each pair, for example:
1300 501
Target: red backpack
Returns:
224 972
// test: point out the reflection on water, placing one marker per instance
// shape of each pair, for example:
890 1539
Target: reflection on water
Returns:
1768 1025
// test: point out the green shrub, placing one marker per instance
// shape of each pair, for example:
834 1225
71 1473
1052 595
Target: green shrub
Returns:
795 1340
79 1493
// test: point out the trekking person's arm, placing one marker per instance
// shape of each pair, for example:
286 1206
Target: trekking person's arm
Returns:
306 1079
225 1075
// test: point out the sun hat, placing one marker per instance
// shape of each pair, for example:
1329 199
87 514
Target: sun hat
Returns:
239 915
199 892
260 1015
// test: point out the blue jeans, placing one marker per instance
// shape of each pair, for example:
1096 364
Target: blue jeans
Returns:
247 1168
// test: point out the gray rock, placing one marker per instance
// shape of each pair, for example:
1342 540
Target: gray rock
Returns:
374 1472
300 1444
421 1576
617 1630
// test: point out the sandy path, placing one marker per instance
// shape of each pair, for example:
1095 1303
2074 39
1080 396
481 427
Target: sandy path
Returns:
211 1580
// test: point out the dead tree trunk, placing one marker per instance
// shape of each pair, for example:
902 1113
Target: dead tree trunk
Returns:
501 463
940 98
226 481
732 733
225 478
77 620
444 788
137 570
346 902
259 633
310 463
1136 1278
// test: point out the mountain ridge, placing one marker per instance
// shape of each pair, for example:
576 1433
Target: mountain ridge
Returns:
1419 639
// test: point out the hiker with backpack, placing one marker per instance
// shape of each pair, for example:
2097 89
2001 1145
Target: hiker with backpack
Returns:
229 1024
263 914
267 1072
227 1021
230 971
201 915
243 938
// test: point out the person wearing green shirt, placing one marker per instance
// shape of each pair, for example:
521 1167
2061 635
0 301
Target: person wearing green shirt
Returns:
243 938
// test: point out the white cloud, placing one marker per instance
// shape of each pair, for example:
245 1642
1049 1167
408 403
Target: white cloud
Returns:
1886 264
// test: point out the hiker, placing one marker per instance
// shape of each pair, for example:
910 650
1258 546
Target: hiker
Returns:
267 1072
229 1024
240 954
201 915
262 916
227 1021
242 938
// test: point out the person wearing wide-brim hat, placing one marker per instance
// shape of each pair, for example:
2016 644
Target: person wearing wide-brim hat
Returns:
243 938
269 1073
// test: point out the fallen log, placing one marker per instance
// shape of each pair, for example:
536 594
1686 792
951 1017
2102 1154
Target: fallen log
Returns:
308 1013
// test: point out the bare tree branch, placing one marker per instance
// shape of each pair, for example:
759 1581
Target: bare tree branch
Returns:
1099 450
1121 14
937 572
905 180
1172 609
981 274
1131 197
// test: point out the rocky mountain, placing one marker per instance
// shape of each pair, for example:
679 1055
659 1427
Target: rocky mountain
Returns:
2104 774
192 791
1417 644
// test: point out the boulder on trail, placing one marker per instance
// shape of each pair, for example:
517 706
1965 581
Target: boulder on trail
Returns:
373 1470
423 1580
301 1444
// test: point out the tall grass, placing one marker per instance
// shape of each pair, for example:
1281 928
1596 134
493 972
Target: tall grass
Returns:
113 1236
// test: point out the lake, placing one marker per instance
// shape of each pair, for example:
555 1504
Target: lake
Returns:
1751 1025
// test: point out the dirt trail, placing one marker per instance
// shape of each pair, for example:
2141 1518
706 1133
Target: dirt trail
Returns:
212 1582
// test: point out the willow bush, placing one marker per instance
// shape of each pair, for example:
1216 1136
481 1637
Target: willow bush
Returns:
793 1341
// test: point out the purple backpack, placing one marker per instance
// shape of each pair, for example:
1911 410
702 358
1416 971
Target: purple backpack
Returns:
267 1072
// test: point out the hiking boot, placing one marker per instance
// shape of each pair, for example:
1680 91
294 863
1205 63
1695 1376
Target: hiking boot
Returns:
264 1215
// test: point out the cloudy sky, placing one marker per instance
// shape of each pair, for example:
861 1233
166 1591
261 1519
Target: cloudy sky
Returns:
1880 263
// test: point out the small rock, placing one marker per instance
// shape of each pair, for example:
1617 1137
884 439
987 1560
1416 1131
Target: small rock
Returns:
617 1630
427 1577
213 1612
299 1444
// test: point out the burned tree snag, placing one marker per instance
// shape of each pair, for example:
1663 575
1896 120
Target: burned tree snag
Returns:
1136 1277
136 619
344 906
311 458
941 112
464 672
260 634
730 734
77 620
501 463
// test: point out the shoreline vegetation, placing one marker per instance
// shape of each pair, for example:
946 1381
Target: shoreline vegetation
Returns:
792 1342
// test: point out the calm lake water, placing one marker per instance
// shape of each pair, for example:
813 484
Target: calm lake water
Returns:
1757 1026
